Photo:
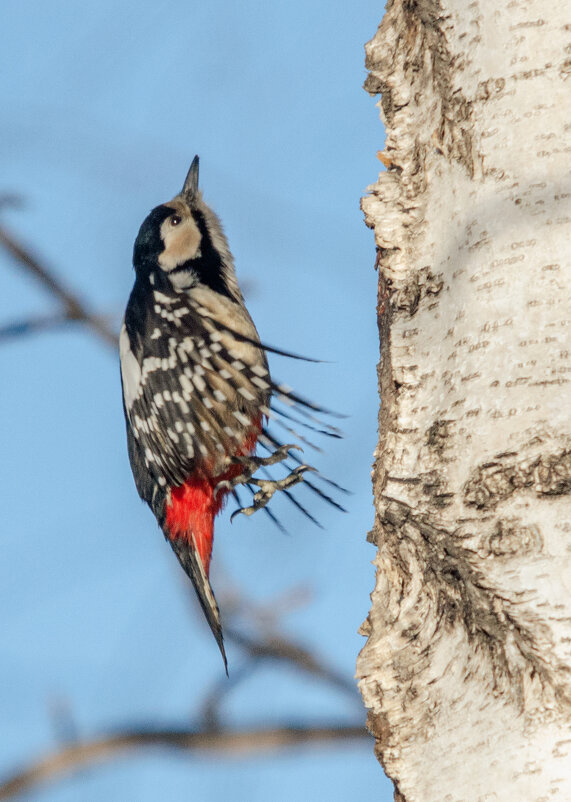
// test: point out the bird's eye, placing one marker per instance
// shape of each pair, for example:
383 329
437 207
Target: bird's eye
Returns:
175 219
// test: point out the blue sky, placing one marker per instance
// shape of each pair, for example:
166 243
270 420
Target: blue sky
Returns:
104 106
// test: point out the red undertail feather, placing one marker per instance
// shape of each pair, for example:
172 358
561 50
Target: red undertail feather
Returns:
192 509
194 505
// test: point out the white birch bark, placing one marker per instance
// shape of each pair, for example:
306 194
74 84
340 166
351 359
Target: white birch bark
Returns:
467 666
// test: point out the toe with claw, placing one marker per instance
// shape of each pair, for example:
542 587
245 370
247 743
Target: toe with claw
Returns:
267 487
270 486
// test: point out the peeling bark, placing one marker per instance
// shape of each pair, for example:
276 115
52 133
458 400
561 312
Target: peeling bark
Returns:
467 667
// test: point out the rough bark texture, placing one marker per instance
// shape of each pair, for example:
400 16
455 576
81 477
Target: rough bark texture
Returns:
467 666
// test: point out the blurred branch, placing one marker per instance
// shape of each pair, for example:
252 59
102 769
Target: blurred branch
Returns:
74 308
63 722
221 689
268 615
280 649
33 325
238 743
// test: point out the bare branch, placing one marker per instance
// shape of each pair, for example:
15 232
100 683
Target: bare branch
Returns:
238 743
266 616
221 689
75 309
33 325
278 648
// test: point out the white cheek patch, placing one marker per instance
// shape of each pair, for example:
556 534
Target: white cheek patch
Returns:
183 280
182 242
130 369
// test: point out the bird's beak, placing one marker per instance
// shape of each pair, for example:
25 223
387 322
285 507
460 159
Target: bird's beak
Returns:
190 188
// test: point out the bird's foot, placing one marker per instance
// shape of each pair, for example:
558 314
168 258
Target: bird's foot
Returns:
267 487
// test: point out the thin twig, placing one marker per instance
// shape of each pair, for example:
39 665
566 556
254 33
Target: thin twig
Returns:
33 325
280 649
239 743
75 309
266 616
221 689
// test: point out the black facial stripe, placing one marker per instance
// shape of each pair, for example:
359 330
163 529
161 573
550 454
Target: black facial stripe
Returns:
208 266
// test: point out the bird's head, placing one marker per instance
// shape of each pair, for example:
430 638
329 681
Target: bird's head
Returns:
181 244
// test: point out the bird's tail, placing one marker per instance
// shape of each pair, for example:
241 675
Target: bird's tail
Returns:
188 555
189 527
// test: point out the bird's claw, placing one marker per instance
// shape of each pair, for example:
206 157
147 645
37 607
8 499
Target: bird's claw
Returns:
269 486
250 465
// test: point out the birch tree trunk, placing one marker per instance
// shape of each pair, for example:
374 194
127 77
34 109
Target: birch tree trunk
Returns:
467 666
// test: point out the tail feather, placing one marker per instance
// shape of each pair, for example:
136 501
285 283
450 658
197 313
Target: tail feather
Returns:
187 554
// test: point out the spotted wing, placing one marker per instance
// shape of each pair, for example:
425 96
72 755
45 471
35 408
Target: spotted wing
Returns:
188 397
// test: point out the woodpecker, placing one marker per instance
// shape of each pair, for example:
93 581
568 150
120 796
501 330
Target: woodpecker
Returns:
197 390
